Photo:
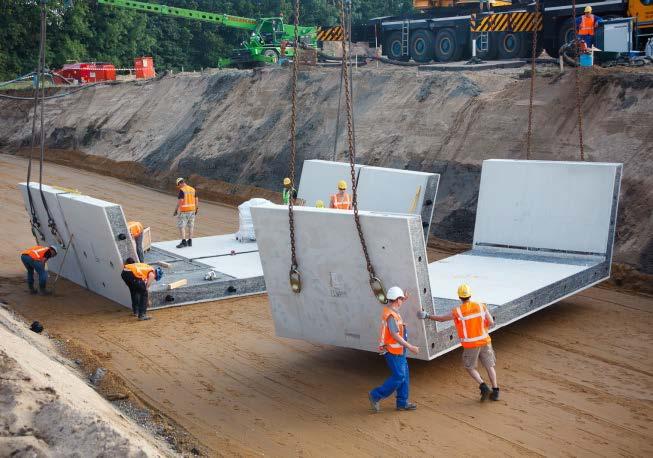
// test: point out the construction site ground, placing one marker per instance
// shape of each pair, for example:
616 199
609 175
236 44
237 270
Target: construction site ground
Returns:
576 378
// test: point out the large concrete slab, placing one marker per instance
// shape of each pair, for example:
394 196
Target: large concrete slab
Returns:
336 305
207 247
528 253
379 189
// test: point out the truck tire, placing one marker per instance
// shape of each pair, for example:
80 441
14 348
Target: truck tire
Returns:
528 45
565 32
510 45
447 48
272 54
421 45
393 47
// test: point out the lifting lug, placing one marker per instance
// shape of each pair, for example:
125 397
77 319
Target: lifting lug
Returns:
378 289
295 280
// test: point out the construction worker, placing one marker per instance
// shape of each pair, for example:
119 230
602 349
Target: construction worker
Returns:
288 192
34 259
136 231
393 343
586 26
139 277
472 320
187 206
341 200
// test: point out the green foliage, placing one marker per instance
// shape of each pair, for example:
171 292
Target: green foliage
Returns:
91 32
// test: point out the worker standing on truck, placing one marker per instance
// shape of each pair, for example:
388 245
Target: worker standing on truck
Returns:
288 192
139 277
187 206
34 259
136 231
472 321
393 343
586 26
341 200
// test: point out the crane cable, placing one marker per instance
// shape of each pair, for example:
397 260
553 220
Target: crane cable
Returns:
535 24
40 86
375 283
577 84
294 276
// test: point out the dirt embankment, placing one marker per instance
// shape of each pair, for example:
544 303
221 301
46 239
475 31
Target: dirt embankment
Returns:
229 130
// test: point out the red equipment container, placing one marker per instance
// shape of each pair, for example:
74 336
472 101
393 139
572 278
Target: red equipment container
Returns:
89 72
144 67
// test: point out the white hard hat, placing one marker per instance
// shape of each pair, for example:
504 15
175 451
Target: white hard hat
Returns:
394 293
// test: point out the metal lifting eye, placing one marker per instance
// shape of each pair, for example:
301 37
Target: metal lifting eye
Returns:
295 280
378 289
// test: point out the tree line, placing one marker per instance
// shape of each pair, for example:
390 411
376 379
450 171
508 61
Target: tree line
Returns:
88 31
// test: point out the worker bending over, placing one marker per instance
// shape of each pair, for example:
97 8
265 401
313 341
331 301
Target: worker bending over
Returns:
187 206
34 259
393 343
139 277
341 200
136 231
472 320
586 26
288 192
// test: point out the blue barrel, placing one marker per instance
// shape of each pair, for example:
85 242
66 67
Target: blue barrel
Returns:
586 60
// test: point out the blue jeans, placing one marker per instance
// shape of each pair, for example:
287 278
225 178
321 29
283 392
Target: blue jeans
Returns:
588 39
398 380
31 265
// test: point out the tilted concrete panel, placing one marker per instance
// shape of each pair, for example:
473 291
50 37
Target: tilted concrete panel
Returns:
97 226
379 188
70 269
545 205
336 305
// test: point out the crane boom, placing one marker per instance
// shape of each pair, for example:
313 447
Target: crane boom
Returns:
226 20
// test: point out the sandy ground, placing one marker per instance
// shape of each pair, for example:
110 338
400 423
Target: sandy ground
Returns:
576 378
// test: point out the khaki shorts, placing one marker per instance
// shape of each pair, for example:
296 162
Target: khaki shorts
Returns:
186 219
484 353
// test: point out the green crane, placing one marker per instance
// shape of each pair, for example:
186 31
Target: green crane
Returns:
266 37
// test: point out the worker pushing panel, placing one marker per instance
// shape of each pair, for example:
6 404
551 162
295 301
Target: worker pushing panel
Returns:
544 231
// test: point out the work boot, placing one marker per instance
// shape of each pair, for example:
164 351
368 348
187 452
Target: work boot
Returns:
408 406
376 407
190 242
32 290
144 317
485 391
495 394
182 244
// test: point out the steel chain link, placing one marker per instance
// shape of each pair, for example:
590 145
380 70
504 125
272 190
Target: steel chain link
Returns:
533 57
577 84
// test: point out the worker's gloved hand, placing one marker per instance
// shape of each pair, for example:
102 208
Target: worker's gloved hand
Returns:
422 315
175 213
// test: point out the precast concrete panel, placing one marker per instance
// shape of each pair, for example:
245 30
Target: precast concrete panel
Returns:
336 305
71 269
320 179
206 247
97 226
545 205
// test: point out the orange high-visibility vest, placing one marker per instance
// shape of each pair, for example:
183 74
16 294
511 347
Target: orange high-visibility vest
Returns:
188 204
140 270
341 201
470 322
135 228
587 23
386 341
37 252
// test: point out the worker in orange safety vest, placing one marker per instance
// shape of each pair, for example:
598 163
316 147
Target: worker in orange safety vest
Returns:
393 343
136 231
341 200
139 277
586 26
34 259
187 206
472 320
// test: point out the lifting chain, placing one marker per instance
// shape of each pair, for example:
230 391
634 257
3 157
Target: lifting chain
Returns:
294 276
375 283
534 24
577 83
